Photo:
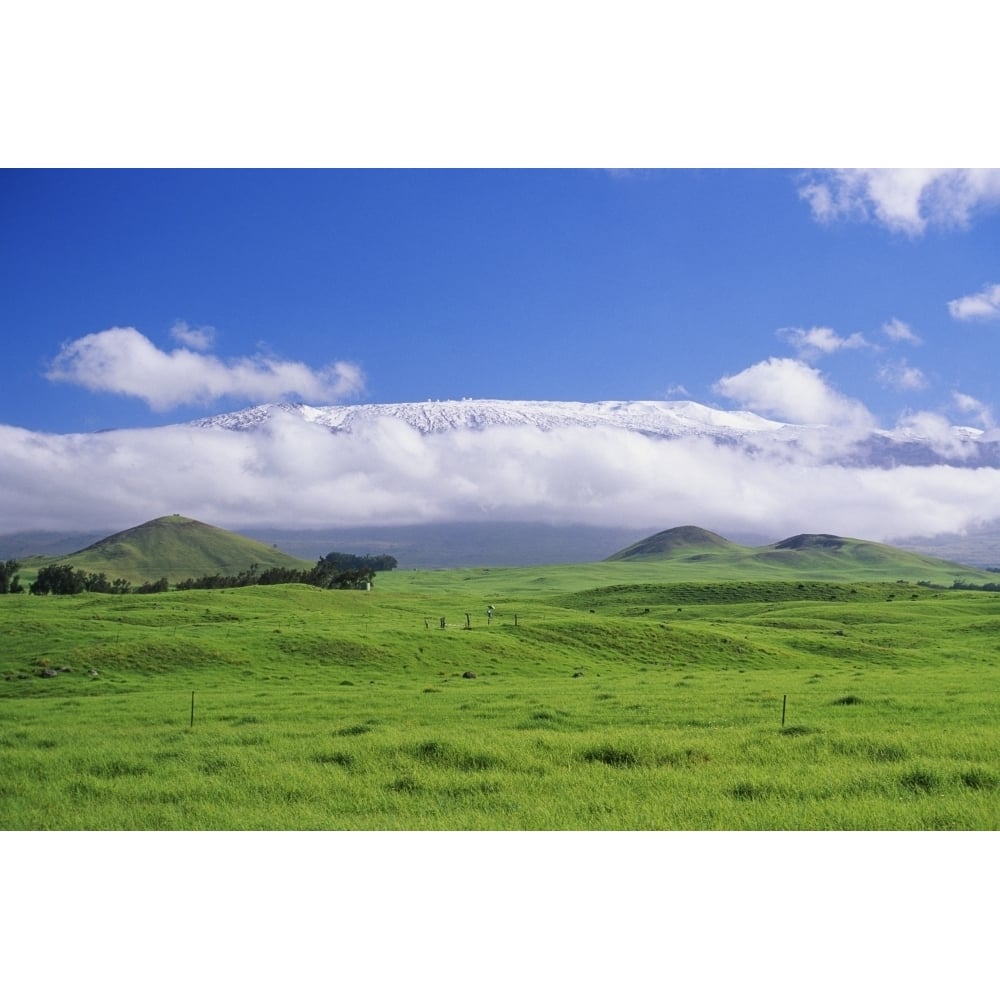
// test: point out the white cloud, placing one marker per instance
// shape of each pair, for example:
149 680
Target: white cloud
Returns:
818 340
905 200
791 390
292 473
123 361
982 305
980 412
197 338
932 428
897 330
901 375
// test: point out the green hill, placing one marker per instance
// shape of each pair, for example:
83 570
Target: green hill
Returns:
806 556
178 548
687 542
175 547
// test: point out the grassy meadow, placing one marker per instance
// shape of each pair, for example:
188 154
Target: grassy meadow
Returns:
610 696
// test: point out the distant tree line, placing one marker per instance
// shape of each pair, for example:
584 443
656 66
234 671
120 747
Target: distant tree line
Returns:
336 571
344 561
61 578
961 584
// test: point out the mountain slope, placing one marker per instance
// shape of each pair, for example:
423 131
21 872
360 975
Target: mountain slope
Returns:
660 418
832 553
688 542
807 557
175 547
958 446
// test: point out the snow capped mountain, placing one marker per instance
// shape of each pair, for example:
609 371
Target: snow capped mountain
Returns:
661 419
639 464
909 444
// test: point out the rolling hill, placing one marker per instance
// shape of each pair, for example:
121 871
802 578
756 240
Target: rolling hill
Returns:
175 547
688 542
179 547
806 556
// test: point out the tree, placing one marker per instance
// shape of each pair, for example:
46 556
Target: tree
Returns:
281 574
342 571
59 578
97 583
10 581
340 561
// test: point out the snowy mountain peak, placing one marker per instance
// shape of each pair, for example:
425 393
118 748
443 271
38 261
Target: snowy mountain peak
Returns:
922 442
660 419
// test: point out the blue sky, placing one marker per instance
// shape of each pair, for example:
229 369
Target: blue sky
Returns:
851 301
397 285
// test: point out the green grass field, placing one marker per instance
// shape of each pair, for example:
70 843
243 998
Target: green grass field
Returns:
605 696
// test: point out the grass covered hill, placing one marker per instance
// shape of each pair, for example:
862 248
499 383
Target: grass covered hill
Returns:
686 542
694 550
179 547
175 547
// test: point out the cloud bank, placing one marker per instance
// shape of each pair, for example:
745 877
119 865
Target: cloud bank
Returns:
292 473
906 201
123 361
289 473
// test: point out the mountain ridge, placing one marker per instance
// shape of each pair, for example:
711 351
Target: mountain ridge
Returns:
956 445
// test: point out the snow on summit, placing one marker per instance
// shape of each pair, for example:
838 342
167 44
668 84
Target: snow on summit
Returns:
614 463
911 443
661 419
